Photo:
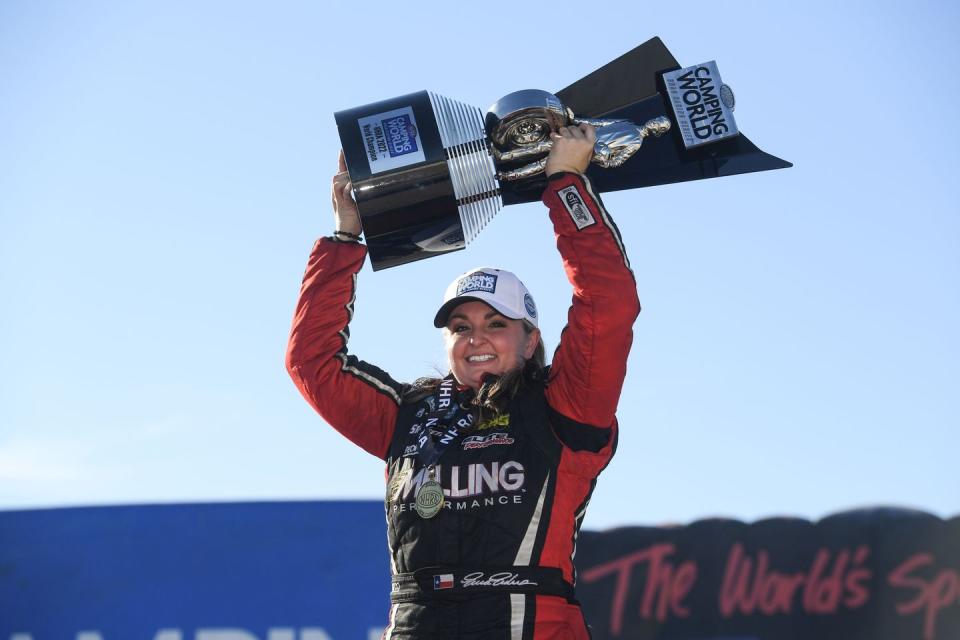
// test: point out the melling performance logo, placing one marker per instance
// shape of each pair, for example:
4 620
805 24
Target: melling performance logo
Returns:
698 103
467 486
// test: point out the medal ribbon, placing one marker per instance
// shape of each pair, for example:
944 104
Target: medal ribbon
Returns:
448 416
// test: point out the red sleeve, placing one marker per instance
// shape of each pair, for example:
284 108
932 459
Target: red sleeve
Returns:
589 366
357 399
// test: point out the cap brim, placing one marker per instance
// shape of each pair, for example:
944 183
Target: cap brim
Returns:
440 320
443 315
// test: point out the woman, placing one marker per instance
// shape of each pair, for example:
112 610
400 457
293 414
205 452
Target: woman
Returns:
490 469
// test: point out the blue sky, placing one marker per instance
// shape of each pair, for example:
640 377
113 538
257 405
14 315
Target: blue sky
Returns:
164 170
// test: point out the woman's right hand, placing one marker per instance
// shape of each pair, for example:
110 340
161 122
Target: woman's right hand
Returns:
345 215
572 149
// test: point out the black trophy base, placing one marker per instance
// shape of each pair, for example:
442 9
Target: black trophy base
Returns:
401 180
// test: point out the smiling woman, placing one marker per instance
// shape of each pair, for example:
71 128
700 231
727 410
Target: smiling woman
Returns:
490 468
481 341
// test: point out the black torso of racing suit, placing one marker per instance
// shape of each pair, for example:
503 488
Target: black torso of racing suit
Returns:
479 557
496 561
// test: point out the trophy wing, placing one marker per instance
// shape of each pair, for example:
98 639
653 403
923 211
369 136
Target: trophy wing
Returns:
604 90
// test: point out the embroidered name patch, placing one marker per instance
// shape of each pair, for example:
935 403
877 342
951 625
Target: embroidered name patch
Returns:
576 207
477 281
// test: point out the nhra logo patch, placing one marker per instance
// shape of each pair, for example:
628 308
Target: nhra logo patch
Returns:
529 305
481 442
576 207
477 281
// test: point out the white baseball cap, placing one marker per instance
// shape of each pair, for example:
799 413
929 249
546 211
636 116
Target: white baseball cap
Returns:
498 288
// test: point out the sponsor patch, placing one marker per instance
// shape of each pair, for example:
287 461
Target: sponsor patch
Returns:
482 442
529 305
391 139
702 104
401 135
502 420
477 281
485 481
464 505
411 450
576 207
443 581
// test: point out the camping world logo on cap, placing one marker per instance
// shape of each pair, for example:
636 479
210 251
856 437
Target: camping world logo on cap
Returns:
477 281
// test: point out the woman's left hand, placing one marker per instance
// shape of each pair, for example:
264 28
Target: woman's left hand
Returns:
345 214
572 149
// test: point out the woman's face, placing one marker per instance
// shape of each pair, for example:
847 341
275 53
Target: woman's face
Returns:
479 340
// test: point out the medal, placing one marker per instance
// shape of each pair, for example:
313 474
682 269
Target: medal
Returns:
447 416
429 497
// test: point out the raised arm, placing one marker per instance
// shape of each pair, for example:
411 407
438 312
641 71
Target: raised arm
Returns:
355 398
589 365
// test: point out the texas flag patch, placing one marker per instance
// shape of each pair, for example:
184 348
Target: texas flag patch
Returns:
443 581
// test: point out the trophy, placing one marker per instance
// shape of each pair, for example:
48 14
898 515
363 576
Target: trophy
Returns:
430 172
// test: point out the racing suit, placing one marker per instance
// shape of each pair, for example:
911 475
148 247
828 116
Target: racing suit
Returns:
497 560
